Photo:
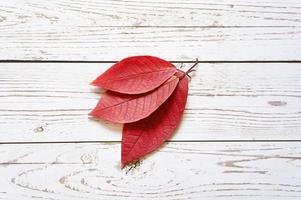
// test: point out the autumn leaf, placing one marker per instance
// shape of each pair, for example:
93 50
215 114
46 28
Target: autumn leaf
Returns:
136 75
149 95
124 108
142 137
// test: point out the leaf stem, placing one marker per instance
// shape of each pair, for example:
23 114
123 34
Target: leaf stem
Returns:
191 69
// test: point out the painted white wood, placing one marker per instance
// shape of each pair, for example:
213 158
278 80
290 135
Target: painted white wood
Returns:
177 171
42 102
49 102
150 13
53 42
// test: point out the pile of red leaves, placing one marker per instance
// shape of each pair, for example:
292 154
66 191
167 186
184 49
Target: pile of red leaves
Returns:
148 95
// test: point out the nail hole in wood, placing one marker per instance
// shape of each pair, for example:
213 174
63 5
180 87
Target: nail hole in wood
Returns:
277 103
38 129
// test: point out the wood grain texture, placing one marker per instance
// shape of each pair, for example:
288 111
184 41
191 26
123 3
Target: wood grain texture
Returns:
193 171
150 13
50 101
88 43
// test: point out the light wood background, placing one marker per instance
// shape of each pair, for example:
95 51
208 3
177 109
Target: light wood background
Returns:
241 132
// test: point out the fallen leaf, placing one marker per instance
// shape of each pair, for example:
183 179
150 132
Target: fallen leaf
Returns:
124 108
136 75
142 137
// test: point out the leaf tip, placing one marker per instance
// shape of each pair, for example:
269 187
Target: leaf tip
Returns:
92 113
93 83
124 163
122 166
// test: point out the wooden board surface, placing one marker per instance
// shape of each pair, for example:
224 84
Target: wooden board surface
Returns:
176 30
240 135
150 13
43 102
193 171
90 43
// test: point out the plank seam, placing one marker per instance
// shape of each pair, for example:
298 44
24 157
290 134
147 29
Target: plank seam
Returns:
173 61
168 141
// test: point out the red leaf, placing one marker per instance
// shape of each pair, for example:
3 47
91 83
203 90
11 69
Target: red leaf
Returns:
135 75
142 137
124 108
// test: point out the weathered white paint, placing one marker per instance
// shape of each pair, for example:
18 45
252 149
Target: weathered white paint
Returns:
42 102
178 171
151 13
49 102
47 42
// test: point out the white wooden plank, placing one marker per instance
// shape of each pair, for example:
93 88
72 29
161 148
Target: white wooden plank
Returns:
42 102
177 171
46 42
151 13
